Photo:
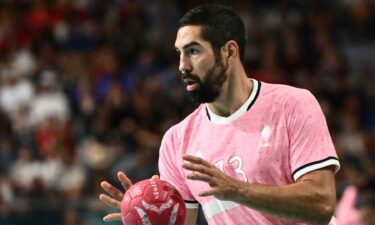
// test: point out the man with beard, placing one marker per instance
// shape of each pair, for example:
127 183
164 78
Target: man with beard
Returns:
252 152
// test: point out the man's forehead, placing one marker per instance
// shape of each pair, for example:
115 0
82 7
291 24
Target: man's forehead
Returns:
188 34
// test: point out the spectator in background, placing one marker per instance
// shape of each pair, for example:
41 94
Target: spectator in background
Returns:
355 208
49 102
24 170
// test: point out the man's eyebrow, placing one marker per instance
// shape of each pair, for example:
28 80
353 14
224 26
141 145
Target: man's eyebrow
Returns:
191 44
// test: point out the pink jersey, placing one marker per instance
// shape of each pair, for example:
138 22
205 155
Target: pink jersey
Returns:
278 135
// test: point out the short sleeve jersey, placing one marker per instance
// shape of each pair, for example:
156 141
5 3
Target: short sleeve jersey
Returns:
277 136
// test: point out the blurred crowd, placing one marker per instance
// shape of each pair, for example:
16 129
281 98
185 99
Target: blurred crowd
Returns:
88 88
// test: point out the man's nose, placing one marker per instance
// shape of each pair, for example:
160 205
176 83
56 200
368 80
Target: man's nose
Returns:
185 65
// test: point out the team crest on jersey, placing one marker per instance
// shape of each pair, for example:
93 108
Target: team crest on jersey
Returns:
265 136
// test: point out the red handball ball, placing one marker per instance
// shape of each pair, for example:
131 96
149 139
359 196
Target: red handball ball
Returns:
153 202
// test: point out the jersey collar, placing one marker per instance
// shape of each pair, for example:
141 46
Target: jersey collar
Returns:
242 110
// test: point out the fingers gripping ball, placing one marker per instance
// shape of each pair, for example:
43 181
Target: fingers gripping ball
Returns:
152 202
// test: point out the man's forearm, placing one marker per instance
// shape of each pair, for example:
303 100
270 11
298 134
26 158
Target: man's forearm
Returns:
303 201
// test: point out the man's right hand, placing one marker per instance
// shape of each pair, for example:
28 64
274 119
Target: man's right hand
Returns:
115 195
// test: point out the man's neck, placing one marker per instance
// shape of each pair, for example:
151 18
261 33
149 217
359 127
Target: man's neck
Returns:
236 90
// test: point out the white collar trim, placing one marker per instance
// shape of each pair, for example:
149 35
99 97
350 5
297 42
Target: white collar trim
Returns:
242 110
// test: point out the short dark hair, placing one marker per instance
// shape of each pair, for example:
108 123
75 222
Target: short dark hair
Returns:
219 25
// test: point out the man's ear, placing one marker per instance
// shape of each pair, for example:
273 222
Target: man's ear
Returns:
231 49
230 52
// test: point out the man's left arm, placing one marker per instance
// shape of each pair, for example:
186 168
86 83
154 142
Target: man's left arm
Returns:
310 199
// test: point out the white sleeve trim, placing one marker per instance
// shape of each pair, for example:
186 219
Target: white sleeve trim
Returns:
320 165
191 205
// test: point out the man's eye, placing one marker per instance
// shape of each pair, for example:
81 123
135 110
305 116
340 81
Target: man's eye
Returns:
193 51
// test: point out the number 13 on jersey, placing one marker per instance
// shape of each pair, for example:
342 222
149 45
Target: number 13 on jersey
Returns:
236 163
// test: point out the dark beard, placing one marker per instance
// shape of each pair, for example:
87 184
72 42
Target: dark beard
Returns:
209 88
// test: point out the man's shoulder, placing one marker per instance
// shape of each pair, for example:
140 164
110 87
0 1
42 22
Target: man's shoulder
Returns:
282 93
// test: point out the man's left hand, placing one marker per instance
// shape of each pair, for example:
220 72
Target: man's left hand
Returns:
221 186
